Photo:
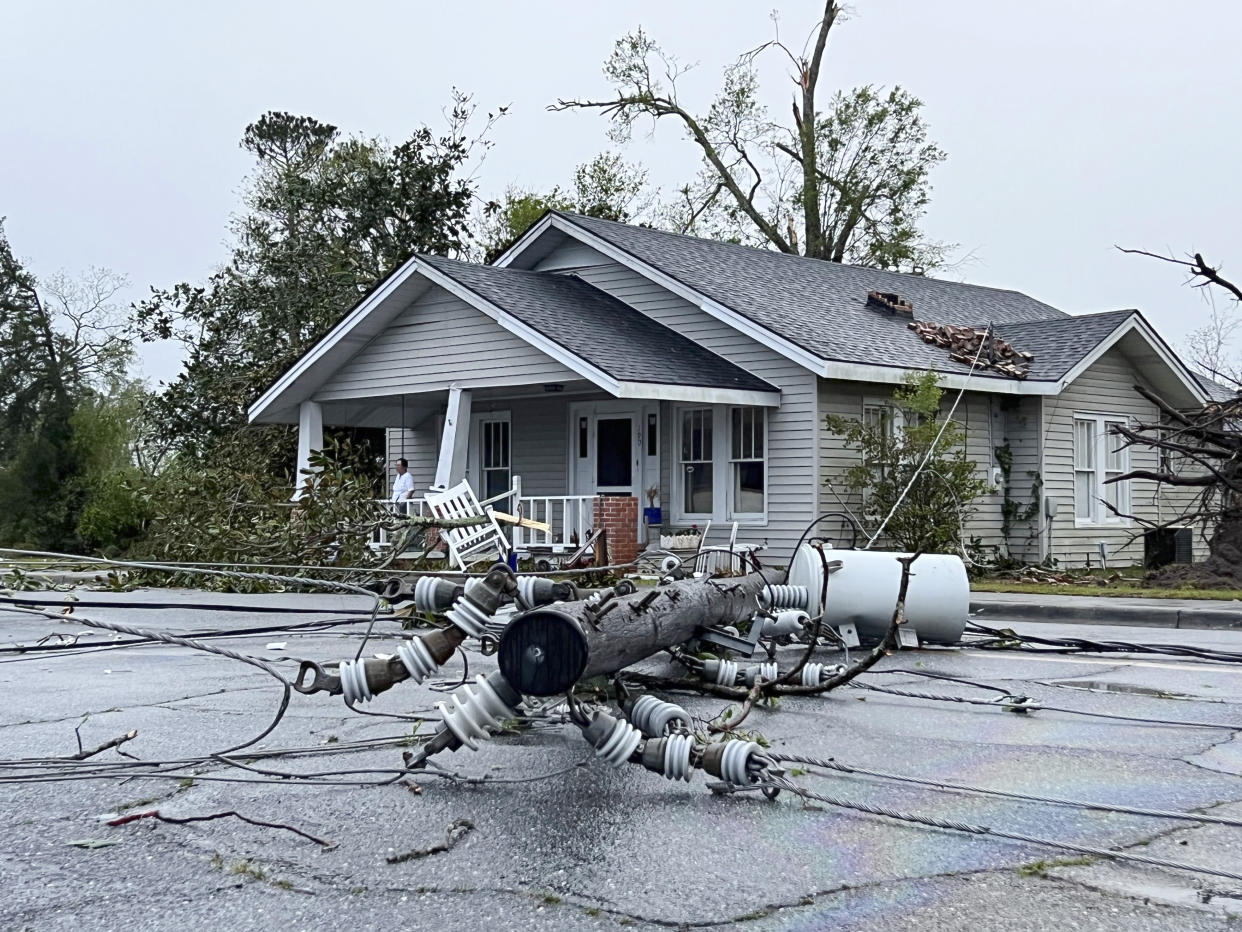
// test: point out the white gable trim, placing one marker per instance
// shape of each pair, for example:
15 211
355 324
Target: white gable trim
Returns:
1135 322
303 368
334 336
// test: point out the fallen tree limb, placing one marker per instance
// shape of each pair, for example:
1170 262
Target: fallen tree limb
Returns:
114 743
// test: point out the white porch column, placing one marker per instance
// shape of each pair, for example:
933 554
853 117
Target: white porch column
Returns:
310 440
451 467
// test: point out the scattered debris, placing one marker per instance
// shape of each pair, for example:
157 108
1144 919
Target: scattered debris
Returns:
94 842
186 820
963 344
456 832
114 743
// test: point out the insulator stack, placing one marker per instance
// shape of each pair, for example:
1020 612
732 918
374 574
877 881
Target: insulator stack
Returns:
813 674
720 672
786 597
670 756
614 739
477 712
433 594
786 622
417 659
736 762
768 671
653 717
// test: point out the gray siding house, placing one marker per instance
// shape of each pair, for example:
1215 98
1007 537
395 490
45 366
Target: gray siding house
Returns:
601 359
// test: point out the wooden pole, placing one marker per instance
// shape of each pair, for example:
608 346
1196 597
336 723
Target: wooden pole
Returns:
545 651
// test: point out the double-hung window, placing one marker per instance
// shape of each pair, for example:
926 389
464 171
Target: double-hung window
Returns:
747 467
722 464
1099 455
494 457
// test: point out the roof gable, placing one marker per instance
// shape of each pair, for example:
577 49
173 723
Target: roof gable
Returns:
815 312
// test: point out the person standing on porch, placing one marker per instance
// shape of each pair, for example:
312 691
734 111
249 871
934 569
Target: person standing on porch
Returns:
403 484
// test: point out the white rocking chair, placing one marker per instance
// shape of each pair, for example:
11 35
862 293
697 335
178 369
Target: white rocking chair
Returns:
467 545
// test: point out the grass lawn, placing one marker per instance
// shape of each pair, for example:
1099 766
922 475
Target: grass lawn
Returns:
1123 588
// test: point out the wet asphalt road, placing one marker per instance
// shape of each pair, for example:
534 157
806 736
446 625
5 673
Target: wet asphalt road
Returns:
590 847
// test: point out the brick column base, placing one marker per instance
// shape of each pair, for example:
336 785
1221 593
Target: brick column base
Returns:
619 515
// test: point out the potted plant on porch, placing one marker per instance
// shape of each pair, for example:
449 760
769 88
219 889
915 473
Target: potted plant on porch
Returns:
653 514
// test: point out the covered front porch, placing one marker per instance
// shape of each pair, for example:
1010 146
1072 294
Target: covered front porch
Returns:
575 407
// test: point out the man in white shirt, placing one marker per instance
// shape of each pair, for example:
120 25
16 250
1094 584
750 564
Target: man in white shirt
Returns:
403 485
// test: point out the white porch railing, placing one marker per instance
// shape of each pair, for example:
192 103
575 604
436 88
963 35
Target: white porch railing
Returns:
570 517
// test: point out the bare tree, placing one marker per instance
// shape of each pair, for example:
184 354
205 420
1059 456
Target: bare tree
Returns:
1199 451
848 182
1213 347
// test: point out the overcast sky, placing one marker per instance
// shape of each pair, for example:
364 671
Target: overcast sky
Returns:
1070 126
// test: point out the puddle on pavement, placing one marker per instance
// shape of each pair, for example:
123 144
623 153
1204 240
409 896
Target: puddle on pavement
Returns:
1105 686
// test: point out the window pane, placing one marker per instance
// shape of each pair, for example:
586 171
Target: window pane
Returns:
495 481
1084 444
698 489
748 488
613 452
705 433
1116 455
1112 495
687 435
757 416
1084 494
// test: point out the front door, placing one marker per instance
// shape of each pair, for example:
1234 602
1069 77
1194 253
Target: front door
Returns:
608 449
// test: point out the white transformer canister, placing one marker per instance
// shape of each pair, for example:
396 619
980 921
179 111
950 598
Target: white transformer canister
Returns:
863 592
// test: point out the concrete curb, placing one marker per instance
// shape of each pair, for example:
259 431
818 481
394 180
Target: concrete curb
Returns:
1099 610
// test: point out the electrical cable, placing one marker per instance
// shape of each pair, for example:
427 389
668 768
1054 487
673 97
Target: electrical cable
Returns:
1022 704
967 828
1007 794
195 645
1005 638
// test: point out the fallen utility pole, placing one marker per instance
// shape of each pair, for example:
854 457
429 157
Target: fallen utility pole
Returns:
545 651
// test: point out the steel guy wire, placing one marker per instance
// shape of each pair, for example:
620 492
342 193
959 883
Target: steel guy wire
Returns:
982 830
194 645
1035 705
932 449
1007 794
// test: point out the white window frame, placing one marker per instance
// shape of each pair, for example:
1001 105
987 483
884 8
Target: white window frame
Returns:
722 469
1098 515
478 421
746 517
678 465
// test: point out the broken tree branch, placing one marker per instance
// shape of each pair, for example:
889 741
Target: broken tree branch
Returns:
114 743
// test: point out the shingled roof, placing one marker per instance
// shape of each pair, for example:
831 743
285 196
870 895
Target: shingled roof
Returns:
821 306
599 329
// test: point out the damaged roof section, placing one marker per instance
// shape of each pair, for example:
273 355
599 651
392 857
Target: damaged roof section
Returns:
978 346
